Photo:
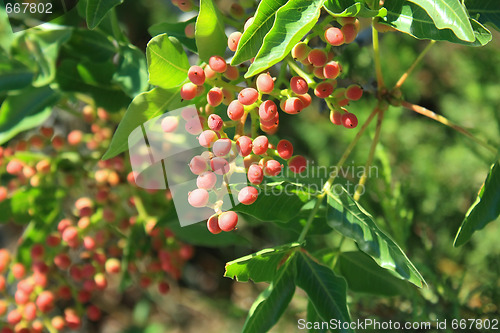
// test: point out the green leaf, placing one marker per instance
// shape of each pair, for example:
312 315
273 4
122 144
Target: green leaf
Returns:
210 36
485 11
448 14
351 8
272 302
132 72
347 217
326 291
94 79
252 37
97 9
414 20
314 318
365 276
293 21
14 75
261 266
91 45
167 62
25 109
175 30
484 210
145 106
276 203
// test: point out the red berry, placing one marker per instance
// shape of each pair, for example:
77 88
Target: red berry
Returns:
21 297
70 236
45 301
206 180
323 90
260 145
297 164
3 193
334 36
331 70
207 138
14 317
293 105
213 224
233 40
222 147
265 83
217 64
245 145
248 96
112 266
215 96
14 167
198 198
299 85
196 75
93 313
189 91
219 165
300 51
255 174
73 321
163 287
349 31
30 311
231 73
354 92
336 117
317 57
228 221
305 99
268 110
248 195
62 261
235 110
272 168
285 149
349 120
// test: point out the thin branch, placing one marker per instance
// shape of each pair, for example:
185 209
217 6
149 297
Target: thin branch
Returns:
405 75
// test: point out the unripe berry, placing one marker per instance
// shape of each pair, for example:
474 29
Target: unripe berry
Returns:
268 110
235 110
233 40
188 91
245 145
75 137
248 96
219 165
331 70
300 51
198 198
297 164
323 90
272 168
354 92
217 64
189 30
349 120
334 36
285 149
255 174
198 165
317 57
210 73
112 266
228 96
213 224
265 83
260 145
299 85
196 75
45 301
346 20
250 160
207 138
228 221
215 122
248 195
292 105
349 31
206 180
215 96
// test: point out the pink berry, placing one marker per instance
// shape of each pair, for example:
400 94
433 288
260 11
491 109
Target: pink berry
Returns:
228 96
3 194
198 198
213 224
349 120
354 92
305 99
336 117
215 96
349 31
188 91
248 96
293 105
245 145
331 70
265 83
248 195
297 164
207 138
193 126
219 165
323 90
272 168
248 23
210 73
217 64
285 149
268 110
271 121
14 167
189 30
231 73
300 51
198 165
196 75
334 36
233 40
299 85
255 174
222 147
317 57
260 145
14 317
228 221
235 110
206 180
215 122
45 301
169 124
